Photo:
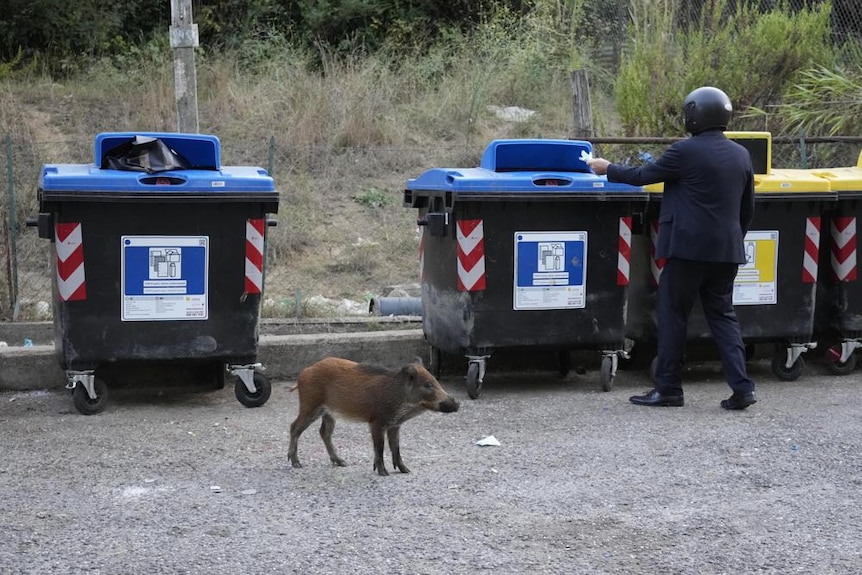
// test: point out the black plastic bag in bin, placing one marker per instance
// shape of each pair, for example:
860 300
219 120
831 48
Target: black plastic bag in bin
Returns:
144 154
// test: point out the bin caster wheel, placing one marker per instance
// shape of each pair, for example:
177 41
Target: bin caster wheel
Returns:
84 403
834 364
436 362
605 373
781 371
259 397
472 381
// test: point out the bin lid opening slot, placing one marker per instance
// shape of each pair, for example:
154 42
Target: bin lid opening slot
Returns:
163 181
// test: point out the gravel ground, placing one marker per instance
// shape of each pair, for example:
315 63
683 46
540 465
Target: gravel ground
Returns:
583 482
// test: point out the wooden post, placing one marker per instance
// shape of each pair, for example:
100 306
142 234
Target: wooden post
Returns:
11 234
184 39
582 112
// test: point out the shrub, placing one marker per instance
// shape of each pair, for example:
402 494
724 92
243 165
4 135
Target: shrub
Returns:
748 52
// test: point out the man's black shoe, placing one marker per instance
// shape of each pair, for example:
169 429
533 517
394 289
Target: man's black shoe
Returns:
657 398
739 400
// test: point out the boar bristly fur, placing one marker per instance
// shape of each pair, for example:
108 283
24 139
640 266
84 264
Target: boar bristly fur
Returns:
383 398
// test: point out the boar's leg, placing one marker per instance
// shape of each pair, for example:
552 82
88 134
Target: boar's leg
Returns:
377 438
326 429
395 447
300 424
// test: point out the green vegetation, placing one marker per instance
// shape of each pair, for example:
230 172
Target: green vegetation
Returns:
751 54
374 198
825 101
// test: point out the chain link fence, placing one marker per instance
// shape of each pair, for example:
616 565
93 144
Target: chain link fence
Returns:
26 282
787 152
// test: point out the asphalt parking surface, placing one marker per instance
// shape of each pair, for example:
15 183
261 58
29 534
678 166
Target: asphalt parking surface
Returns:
181 481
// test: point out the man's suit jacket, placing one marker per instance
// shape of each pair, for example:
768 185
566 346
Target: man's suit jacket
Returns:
708 199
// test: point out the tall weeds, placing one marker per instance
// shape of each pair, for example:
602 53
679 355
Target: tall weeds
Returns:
749 53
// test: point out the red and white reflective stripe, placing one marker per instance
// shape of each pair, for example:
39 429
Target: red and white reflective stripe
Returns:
254 230
71 284
625 251
471 255
811 258
843 256
655 265
421 253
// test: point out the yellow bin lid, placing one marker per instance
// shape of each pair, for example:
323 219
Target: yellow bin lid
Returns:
759 146
780 182
788 181
847 179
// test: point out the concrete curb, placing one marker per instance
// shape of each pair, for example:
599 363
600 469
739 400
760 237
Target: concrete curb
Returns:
283 356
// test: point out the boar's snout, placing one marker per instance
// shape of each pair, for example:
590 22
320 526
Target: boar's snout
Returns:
449 405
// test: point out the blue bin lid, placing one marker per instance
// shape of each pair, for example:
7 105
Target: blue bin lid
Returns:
205 181
527 169
87 177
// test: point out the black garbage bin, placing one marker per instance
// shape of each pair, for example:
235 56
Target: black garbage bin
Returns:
838 314
775 290
530 250
159 261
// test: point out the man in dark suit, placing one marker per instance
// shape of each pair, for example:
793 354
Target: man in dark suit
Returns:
706 209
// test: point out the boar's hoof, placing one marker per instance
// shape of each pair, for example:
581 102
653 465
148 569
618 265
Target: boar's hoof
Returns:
380 469
402 468
339 462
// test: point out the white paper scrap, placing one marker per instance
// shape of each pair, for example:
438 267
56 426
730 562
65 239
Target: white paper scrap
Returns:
488 441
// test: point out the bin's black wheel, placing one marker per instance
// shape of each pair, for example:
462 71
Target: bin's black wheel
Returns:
84 403
605 373
564 363
834 364
436 362
220 373
781 371
259 397
472 381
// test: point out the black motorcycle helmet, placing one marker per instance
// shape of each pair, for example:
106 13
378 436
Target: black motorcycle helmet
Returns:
706 108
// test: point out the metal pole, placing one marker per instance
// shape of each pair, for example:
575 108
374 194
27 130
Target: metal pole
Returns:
12 232
271 164
803 153
184 39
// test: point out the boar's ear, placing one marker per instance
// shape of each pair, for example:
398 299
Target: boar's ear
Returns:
409 373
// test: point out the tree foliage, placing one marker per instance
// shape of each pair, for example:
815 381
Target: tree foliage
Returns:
61 33
64 35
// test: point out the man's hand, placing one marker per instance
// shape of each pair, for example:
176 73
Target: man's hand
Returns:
598 165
